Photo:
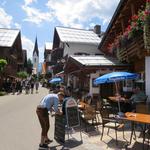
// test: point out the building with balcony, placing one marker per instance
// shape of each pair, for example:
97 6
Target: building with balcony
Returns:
71 41
47 57
11 50
127 36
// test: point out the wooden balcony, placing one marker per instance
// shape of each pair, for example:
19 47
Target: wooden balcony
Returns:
132 50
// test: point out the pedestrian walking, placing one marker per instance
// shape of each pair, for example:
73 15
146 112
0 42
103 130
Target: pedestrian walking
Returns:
27 87
36 86
13 86
32 86
48 103
18 86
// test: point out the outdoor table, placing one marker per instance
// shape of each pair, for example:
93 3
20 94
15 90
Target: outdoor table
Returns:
124 103
82 105
116 98
134 118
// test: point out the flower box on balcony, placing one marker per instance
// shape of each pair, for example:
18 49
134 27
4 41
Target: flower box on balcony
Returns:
131 48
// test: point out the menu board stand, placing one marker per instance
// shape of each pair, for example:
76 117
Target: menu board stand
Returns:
68 121
59 134
72 115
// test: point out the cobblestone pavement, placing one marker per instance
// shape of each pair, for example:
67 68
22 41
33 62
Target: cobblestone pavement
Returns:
20 129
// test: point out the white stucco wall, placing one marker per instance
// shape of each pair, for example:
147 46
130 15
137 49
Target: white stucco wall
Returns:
147 76
77 47
93 90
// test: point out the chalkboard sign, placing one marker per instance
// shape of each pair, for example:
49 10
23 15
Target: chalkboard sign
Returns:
59 133
72 114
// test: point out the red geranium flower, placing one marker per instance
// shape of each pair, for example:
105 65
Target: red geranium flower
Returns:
135 17
147 12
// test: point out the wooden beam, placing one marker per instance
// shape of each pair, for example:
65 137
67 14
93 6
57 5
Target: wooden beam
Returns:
132 9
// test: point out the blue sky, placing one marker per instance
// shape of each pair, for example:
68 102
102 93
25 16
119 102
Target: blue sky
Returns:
40 17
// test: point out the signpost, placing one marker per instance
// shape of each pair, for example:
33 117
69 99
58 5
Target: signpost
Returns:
72 114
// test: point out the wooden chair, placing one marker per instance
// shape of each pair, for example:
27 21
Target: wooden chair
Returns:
98 108
89 116
109 121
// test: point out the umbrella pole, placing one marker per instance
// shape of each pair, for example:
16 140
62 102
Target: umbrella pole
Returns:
118 96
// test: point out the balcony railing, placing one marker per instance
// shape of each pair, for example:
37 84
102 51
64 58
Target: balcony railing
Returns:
131 49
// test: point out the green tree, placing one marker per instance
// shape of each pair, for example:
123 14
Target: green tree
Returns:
3 63
29 66
22 74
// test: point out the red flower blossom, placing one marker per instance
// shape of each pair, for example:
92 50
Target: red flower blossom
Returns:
147 12
129 28
135 17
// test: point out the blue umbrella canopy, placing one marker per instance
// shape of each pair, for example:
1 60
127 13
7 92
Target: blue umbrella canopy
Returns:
56 80
114 77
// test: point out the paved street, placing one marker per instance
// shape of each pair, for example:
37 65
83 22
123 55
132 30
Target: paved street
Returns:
20 129
19 126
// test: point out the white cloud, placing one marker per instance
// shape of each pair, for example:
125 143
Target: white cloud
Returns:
6 20
28 45
75 13
28 2
35 15
48 45
17 25
72 13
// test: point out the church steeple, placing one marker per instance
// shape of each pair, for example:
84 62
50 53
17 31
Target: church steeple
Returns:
35 57
36 48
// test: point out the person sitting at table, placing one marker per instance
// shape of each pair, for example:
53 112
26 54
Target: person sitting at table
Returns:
88 98
137 97
125 103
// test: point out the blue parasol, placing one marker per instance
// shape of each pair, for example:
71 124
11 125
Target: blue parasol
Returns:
56 80
115 77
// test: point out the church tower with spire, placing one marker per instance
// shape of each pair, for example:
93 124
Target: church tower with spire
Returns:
35 58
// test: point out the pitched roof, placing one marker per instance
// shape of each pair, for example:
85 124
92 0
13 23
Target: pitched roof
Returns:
8 37
77 35
97 60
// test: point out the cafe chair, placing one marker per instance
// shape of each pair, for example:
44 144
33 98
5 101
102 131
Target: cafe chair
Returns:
109 121
98 108
106 104
89 116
